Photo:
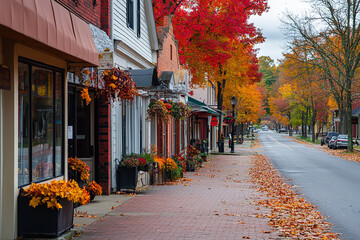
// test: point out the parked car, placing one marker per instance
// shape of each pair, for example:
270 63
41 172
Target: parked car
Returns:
341 142
332 142
282 130
329 135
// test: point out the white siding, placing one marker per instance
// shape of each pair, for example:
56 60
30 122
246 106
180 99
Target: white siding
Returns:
129 36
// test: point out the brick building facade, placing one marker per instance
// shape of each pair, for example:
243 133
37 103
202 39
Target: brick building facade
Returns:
97 13
168 61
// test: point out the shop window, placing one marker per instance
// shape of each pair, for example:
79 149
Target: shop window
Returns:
41 127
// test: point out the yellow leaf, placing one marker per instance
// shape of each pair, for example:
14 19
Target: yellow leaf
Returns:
34 202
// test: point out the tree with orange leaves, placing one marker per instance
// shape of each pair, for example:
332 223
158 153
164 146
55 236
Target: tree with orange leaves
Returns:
331 31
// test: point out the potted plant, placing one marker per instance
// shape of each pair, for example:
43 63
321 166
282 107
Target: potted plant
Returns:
190 164
199 161
180 161
172 170
79 171
204 157
127 175
93 189
47 209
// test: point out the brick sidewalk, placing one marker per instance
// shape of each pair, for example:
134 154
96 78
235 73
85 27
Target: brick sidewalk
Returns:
217 204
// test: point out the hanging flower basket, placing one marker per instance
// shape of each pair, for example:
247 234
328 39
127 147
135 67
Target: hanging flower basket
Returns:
157 109
229 119
112 85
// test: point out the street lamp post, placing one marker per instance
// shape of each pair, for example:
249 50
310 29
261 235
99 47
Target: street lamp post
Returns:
233 103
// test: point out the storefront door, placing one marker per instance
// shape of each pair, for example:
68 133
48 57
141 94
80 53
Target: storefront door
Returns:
81 129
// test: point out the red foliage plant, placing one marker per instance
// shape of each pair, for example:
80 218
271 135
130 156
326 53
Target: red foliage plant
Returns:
206 30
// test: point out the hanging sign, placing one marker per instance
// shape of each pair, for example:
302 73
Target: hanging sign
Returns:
214 122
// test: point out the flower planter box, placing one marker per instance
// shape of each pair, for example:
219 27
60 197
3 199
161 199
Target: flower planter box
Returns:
127 178
42 221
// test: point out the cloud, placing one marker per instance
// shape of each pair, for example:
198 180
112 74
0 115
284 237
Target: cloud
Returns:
270 25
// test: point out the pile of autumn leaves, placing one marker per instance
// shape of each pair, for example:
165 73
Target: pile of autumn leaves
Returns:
291 214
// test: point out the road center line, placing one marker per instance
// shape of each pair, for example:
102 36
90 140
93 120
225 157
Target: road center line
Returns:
280 143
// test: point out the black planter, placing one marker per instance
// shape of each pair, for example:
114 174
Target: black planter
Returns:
190 167
126 178
221 146
42 221
92 196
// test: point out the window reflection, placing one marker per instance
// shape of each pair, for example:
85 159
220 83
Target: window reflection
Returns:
24 125
42 123
58 124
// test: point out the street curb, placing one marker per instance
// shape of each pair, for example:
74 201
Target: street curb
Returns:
69 234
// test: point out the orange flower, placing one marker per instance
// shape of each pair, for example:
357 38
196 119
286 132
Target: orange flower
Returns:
81 167
50 193
94 188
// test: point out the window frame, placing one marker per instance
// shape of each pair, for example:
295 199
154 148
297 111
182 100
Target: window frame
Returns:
133 16
130 14
54 70
138 18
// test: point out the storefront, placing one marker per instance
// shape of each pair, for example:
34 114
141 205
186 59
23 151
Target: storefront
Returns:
40 41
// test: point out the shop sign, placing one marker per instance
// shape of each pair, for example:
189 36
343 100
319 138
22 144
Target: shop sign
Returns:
214 122
5 78
106 61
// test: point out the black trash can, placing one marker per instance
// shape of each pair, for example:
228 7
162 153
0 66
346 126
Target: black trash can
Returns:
221 146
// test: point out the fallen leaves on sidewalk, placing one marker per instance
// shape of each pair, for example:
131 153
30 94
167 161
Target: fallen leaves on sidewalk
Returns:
84 215
292 215
125 193
179 181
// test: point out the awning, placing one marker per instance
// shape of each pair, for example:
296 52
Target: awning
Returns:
198 106
145 78
356 112
46 25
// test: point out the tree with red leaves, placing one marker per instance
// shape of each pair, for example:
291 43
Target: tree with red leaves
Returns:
212 32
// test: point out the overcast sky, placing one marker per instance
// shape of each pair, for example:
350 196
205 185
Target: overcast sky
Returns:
269 23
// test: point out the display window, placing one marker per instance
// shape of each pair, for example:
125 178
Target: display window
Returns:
41 122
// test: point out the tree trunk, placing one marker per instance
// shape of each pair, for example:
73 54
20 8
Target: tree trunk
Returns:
343 128
306 121
290 127
220 98
349 120
302 124
313 121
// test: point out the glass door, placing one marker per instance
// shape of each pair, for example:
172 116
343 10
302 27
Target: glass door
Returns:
81 129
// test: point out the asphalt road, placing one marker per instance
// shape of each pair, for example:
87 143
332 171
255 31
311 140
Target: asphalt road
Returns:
331 183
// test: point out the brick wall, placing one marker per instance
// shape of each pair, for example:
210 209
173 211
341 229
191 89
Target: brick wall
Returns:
167 39
105 18
85 9
160 138
98 14
178 136
103 147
